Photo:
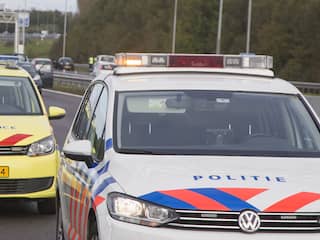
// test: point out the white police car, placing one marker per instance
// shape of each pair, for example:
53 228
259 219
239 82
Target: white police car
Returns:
191 147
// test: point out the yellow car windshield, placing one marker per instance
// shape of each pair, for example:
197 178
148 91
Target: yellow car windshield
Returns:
18 97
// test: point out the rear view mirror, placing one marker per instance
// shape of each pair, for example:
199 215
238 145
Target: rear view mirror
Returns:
178 103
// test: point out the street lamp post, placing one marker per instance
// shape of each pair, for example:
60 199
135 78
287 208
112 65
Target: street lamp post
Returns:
219 27
17 35
174 26
249 26
64 30
23 26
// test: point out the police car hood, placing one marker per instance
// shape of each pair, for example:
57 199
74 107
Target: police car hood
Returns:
268 184
22 130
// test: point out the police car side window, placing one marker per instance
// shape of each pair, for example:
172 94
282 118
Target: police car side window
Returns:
97 127
81 124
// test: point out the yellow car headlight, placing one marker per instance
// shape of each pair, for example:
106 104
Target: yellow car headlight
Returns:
42 147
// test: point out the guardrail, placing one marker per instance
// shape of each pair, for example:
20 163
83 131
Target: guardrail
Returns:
82 65
79 82
72 82
308 87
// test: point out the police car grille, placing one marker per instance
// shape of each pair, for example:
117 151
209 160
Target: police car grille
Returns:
23 186
290 221
211 220
13 150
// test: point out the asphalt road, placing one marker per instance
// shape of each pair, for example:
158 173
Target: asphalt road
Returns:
20 220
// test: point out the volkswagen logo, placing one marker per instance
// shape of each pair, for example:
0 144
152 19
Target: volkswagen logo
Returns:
249 221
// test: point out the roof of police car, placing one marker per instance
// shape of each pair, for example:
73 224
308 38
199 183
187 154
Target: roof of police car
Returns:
163 78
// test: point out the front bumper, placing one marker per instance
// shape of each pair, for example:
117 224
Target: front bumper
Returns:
29 177
110 229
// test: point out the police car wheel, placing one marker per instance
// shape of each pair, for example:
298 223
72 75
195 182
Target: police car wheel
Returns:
59 225
93 230
47 206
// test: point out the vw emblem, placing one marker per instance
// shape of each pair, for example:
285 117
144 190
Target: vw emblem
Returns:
249 221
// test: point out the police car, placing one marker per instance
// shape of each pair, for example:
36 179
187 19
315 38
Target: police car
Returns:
28 154
180 146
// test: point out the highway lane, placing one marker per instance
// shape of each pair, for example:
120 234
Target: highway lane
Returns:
70 103
315 102
20 220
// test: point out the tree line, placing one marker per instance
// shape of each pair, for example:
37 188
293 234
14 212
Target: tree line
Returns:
287 30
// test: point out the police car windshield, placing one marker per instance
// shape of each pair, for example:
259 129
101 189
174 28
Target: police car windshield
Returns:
214 123
17 97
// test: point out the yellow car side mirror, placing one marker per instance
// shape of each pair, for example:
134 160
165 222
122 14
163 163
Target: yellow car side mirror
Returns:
56 112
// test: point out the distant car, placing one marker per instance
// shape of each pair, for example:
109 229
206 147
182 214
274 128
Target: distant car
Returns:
45 70
33 73
103 62
65 63
105 58
8 57
103 66
19 57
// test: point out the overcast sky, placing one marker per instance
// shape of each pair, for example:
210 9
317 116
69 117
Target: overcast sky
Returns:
41 4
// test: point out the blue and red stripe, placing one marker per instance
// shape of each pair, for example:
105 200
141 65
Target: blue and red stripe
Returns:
294 202
205 199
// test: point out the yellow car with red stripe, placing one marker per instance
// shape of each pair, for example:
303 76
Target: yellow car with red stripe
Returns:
28 151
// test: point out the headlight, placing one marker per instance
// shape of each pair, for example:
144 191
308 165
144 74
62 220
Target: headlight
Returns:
128 209
42 147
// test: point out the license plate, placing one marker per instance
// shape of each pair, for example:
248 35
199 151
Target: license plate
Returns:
4 172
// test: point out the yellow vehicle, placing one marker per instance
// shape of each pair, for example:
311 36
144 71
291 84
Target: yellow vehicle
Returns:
28 152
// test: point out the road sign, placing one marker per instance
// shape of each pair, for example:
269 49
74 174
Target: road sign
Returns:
24 19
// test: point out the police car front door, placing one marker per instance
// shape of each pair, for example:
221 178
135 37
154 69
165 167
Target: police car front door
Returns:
77 185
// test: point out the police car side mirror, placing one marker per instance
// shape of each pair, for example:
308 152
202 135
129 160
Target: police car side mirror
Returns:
79 150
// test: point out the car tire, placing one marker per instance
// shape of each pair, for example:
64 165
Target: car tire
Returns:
92 233
47 206
59 224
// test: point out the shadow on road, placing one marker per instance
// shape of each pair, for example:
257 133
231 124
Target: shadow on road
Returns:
19 208
19 219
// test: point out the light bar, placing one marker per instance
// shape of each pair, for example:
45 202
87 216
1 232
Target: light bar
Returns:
140 59
9 63
194 60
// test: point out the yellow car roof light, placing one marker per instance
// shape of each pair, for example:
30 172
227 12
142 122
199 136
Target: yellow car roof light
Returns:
194 60
12 65
9 64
